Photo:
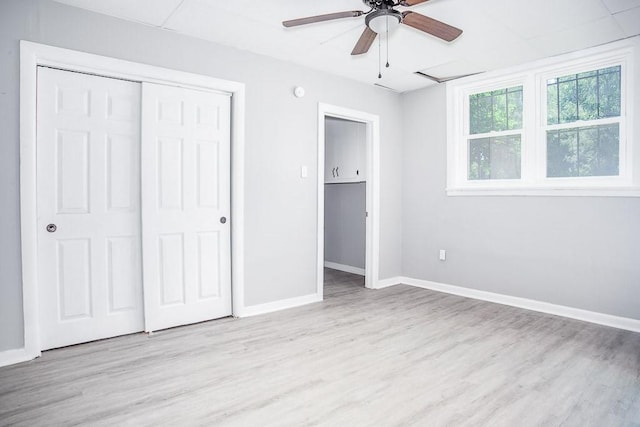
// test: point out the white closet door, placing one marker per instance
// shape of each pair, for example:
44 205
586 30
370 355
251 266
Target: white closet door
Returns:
88 157
185 206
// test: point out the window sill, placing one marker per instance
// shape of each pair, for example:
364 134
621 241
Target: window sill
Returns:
547 191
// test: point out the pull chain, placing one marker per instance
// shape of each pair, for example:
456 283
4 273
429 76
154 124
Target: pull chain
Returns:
379 58
387 21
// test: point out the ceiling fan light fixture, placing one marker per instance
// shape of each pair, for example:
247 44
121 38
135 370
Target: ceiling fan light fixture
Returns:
382 20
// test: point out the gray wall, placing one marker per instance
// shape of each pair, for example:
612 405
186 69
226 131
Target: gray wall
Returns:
281 135
345 223
581 252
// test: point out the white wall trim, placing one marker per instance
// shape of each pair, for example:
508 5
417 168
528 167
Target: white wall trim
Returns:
372 246
345 268
11 357
385 283
528 304
33 55
254 310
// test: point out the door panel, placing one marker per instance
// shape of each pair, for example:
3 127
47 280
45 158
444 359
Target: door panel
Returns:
122 271
88 185
72 177
74 278
209 251
186 176
122 173
171 269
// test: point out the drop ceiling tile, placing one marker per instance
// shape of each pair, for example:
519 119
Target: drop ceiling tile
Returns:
592 34
197 19
484 44
616 6
152 12
273 12
364 69
276 11
403 82
629 21
530 19
335 61
453 68
413 50
497 33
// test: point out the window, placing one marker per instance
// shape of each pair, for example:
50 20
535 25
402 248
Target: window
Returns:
495 134
583 124
557 125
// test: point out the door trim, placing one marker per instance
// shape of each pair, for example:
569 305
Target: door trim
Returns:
33 55
372 244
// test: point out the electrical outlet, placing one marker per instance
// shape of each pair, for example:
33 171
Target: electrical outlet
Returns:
443 255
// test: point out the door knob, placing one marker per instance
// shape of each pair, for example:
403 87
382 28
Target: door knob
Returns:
51 228
223 220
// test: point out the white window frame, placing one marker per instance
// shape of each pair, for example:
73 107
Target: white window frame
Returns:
623 178
464 153
533 78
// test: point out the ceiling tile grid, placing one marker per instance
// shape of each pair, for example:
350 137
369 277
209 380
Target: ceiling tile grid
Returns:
497 33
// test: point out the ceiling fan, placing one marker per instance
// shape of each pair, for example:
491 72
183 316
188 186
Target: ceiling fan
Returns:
383 17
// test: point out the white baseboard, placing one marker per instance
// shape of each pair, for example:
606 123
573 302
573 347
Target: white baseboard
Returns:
11 357
385 283
345 268
254 310
529 304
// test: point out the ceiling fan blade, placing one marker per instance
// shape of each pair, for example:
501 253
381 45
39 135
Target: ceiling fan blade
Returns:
321 18
431 26
411 2
364 42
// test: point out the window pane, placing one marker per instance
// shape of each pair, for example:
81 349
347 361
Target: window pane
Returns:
568 101
480 113
552 102
514 108
609 90
494 158
584 151
499 110
586 96
496 110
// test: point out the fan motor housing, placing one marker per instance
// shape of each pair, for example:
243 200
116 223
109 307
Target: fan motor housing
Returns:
376 4
379 20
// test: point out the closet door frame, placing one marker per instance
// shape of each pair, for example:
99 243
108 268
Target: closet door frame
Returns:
33 55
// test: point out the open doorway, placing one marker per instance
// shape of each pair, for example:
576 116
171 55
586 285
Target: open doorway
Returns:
348 143
345 210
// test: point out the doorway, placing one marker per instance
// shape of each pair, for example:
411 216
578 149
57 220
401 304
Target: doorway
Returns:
351 172
345 207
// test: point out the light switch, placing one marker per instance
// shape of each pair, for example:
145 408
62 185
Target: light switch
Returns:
304 172
443 255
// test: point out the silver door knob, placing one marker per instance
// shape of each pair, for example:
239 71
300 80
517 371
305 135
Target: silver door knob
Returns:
51 228
223 220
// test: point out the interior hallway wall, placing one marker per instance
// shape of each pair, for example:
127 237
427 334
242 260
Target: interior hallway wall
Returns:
345 223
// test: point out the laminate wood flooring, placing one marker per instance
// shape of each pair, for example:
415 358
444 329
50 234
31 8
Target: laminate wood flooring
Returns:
398 356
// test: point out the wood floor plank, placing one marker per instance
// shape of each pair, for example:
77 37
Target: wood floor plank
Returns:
394 357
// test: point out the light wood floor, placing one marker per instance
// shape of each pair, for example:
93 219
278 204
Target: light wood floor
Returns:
394 357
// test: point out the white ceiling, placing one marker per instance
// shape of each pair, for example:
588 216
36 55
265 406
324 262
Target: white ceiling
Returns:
497 33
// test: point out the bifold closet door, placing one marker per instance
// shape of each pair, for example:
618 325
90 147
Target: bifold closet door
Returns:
88 198
185 205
